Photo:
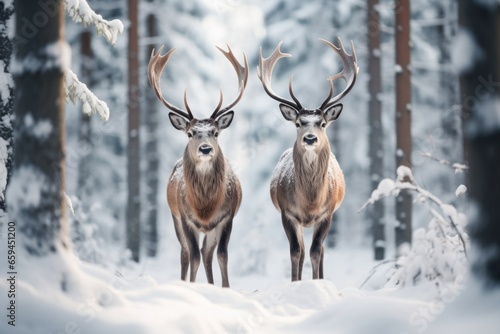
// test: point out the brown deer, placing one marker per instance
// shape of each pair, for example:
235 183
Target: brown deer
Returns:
307 185
203 193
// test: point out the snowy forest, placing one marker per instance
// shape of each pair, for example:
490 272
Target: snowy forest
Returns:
116 193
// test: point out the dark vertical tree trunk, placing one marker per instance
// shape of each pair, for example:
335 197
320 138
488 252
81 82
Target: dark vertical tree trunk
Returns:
152 159
6 104
449 83
84 131
375 139
403 118
36 191
133 168
481 96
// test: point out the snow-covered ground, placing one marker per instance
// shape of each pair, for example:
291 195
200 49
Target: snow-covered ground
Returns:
63 295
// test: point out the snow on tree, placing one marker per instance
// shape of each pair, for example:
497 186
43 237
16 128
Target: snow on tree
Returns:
438 253
6 102
78 91
80 11
36 191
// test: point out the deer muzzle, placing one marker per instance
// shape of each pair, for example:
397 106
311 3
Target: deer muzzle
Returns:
205 150
310 139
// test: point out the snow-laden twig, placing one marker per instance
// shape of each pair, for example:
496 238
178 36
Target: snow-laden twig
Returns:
69 203
457 167
374 270
80 11
78 91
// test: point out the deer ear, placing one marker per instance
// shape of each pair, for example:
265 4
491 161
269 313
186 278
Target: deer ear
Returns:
333 112
179 122
225 120
288 112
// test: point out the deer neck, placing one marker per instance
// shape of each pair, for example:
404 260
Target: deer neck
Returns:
311 172
205 185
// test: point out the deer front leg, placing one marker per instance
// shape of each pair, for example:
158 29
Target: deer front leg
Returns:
222 256
296 241
317 249
184 247
192 237
207 252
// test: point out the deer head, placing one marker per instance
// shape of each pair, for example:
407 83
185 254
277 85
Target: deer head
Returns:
202 134
310 123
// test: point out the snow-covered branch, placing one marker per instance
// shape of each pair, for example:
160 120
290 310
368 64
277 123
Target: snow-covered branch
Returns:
457 167
438 253
78 91
80 11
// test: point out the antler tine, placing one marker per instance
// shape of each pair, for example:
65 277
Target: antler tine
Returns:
330 94
241 72
157 63
348 73
299 106
219 105
187 105
265 73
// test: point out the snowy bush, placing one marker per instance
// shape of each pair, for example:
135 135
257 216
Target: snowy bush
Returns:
439 252
85 235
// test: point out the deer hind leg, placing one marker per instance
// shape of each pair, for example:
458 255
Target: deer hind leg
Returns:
317 249
222 255
184 248
192 237
296 241
207 252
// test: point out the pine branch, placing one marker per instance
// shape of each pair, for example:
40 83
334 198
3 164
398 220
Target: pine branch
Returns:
78 91
80 11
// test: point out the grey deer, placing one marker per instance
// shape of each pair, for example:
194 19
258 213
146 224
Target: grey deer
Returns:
307 185
203 193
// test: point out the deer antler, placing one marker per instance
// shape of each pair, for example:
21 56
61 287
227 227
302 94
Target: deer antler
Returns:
157 63
265 73
241 72
348 73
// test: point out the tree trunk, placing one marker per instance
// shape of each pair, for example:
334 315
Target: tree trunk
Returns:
375 139
481 96
133 166
152 159
6 104
84 131
36 191
449 81
403 119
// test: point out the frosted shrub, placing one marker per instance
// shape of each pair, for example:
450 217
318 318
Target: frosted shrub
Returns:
439 252
85 235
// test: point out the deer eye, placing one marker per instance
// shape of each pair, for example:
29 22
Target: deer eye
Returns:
323 125
216 134
297 125
190 135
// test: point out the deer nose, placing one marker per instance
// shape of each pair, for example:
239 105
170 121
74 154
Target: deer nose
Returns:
310 139
205 149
